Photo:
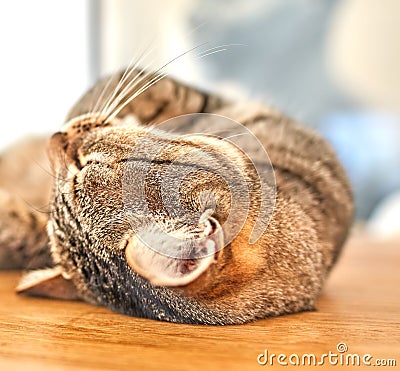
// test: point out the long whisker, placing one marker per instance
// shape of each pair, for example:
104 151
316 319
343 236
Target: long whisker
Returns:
153 81
216 49
63 156
127 90
222 46
132 67
201 55
194 29
139 79
213 52
48 171
100 97
33 207
157 76
180 56
121 99
119 90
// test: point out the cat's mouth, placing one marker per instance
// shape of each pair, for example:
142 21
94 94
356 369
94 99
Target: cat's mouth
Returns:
166 260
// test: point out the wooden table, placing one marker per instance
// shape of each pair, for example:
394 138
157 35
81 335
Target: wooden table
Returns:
360 307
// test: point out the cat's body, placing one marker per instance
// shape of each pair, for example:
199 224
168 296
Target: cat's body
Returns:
97 254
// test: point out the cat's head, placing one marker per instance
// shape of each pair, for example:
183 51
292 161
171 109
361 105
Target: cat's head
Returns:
163 205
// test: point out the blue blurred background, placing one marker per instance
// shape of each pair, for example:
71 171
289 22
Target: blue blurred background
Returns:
324 63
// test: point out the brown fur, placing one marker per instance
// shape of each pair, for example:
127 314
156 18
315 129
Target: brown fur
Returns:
283 272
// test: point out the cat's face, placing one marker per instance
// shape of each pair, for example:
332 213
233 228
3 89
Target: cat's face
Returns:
155 219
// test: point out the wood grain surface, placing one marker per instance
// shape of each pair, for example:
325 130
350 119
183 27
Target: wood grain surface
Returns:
360 306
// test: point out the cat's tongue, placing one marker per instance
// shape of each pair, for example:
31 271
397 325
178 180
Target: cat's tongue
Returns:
166 260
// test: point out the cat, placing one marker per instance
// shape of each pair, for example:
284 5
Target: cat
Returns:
96 248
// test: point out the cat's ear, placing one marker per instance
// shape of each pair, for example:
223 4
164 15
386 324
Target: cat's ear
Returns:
49 282
161 269
56 147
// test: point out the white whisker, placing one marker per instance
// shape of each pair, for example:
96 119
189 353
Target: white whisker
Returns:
194 29
100 97
213 52
126 75
132 67
180 56
216 49
116 106
153 81
128 89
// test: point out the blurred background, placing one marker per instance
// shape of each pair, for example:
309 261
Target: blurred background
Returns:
331 64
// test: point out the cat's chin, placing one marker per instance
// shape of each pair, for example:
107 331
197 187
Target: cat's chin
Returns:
160 263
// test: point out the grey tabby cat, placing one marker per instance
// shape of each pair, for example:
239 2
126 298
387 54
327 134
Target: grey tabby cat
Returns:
93 253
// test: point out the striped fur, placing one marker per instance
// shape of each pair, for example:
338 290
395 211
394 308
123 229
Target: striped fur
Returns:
283 272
